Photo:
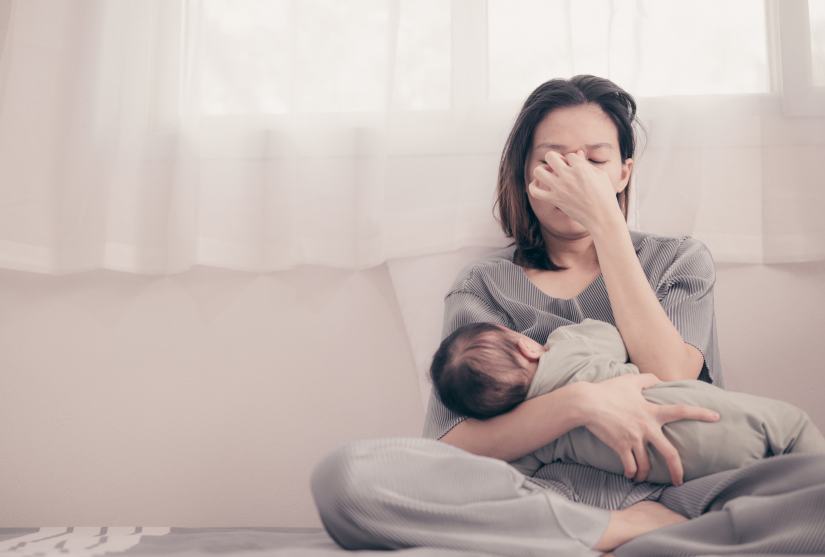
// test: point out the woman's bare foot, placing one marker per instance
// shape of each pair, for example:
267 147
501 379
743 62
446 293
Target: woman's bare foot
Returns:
634 521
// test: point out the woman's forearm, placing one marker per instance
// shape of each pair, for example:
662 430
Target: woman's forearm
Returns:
614 410
653 343
529 426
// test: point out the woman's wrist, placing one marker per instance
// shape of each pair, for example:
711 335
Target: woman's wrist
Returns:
579 399
589 407
607 225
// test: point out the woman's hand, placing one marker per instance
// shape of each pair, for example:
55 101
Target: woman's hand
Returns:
582 191
618 414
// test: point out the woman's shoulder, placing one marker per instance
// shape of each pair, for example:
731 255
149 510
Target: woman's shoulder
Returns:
491 267
666 257
663 243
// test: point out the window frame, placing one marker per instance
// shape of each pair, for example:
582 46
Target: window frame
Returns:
790 23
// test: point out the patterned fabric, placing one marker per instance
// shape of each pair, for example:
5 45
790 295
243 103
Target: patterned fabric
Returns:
774 506
494 289
183 542
408 492
80 541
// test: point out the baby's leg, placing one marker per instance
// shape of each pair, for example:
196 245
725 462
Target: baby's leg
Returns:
751 428
796 434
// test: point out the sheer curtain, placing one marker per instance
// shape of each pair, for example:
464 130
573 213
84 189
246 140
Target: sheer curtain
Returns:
152 135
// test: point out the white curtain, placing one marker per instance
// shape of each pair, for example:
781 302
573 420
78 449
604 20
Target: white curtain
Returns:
152 135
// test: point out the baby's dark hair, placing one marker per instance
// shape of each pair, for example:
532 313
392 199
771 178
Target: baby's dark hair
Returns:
476 371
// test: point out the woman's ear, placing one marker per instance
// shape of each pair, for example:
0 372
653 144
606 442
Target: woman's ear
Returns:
627 167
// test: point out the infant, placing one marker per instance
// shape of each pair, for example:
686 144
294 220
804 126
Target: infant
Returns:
483 370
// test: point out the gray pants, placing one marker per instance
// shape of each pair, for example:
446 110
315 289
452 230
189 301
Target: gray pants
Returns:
410 492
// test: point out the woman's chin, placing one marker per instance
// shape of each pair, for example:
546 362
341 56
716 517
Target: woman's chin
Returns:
563 223
567 231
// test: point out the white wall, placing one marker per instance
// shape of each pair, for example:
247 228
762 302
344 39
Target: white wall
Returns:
771 322
203 399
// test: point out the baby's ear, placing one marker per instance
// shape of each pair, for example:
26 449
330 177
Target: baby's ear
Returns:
528 350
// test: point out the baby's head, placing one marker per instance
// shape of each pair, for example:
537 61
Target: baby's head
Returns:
483 369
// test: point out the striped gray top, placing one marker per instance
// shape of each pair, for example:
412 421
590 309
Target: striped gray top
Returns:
494 289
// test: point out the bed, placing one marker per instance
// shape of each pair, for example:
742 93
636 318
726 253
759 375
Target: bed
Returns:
128 541
182 542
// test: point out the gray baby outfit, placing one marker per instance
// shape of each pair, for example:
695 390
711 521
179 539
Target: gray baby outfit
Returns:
750 427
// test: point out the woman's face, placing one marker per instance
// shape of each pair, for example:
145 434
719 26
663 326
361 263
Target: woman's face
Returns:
567 130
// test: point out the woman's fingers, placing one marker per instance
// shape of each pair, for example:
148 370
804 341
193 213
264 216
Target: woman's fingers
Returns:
539 192
629 463
647 380
642 462
544 176
625 421
573 159
584 192
556 161
676 412
671 456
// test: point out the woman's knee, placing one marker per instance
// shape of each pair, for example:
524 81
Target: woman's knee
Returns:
352 471
337 487
338 476
349 486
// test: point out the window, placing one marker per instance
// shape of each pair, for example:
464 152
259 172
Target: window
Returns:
282 56
800 29
816 15
287 56
652 48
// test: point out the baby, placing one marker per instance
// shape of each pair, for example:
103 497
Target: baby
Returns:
483 370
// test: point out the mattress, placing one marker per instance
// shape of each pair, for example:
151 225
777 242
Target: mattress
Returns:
127 541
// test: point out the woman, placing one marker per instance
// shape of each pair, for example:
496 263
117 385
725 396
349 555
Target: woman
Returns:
562 196
562 192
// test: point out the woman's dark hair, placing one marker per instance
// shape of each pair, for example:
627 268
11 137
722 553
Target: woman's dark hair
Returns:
516 217
476 371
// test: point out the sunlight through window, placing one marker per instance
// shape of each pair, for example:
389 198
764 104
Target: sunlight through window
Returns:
310 56
653 48
277 56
